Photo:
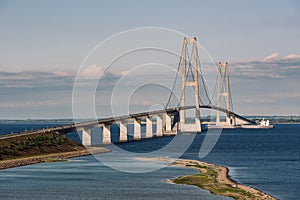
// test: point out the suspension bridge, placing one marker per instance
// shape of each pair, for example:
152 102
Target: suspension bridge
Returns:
171 120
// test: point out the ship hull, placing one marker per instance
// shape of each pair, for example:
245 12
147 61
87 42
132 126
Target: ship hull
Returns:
257 126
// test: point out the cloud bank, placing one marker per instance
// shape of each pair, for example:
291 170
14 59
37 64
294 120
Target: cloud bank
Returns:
57 80
270 67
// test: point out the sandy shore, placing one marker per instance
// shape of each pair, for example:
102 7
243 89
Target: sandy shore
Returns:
213 178
55 156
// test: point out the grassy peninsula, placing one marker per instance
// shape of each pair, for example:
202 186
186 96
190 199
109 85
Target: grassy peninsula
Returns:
37 144
215 179
36 148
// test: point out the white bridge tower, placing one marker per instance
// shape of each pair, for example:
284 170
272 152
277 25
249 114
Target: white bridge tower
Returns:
184 125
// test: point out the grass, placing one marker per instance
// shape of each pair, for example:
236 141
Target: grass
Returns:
37 144
207 179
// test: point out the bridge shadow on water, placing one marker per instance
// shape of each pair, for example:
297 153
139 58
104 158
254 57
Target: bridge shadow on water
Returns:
159 143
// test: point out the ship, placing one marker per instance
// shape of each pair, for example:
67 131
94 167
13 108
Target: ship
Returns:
262 124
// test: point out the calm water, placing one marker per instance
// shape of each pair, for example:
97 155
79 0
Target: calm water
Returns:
11 126
84 178
265 159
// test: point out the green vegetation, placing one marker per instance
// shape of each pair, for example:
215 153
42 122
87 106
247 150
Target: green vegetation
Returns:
36 144
207 179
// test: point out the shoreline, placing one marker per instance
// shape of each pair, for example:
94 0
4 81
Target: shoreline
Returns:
227 186
52 157
212 177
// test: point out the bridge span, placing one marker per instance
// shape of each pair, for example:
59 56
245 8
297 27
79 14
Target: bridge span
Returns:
169 121
166 120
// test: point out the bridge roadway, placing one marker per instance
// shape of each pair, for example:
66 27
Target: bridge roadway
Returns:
73 127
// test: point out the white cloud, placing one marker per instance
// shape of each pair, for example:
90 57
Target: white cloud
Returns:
273 66
63 73
92 72
271 57
36 79
291 56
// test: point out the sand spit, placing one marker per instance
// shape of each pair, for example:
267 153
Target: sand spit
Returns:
213 178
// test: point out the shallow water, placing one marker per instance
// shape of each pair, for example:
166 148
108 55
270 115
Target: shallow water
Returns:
86 178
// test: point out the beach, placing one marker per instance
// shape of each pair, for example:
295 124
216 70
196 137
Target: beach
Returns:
53 157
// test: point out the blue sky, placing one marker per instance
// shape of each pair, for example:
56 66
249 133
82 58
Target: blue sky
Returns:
43 43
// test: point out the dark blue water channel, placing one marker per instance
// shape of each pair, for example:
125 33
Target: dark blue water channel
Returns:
267 159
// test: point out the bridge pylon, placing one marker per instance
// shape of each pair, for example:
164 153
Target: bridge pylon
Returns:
184 125
223 73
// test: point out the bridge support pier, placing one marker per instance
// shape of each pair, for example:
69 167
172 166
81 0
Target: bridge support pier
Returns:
123 132
191 127
137 134
149 131
239 121
232 121
159 126
169 130
86 137
168 122
106 134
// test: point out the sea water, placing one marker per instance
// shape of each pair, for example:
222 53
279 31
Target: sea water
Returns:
266 159
86 178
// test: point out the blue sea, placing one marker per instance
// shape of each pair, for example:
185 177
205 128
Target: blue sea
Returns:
15 126
268 160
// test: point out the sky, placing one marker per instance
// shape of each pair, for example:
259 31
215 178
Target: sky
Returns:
102 50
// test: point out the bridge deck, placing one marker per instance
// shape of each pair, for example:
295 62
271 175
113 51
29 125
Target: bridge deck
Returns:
111 120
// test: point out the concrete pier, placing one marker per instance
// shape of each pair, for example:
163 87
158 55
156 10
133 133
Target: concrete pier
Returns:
240 121
123 132
191 127
168 123
149 131
106 134
169 130
86 137
137 134
159 126
187 127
